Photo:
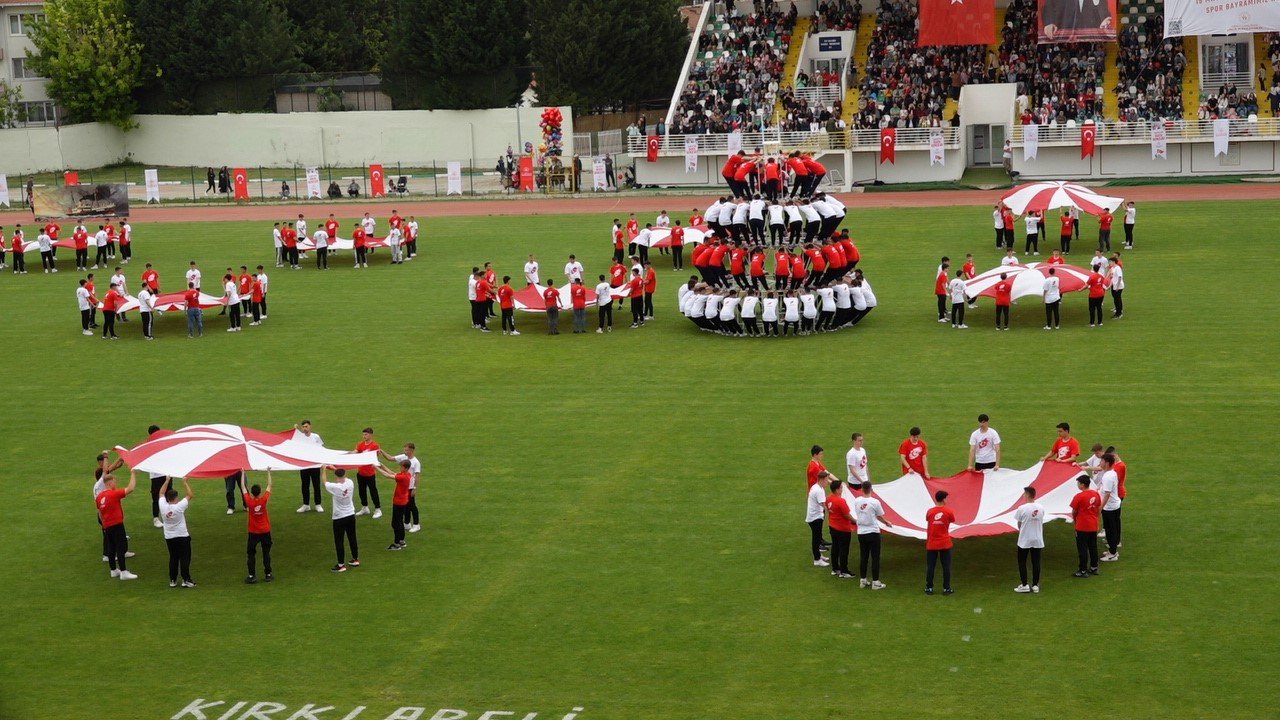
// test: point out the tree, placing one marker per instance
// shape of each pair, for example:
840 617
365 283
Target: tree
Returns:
10 105
86 49
642 42
445 54
341 35
173 66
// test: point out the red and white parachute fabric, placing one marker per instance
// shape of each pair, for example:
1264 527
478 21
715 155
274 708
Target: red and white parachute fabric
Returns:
1053 194
220 450
983 501
1027 280
661 237
341 243
170 302
530 298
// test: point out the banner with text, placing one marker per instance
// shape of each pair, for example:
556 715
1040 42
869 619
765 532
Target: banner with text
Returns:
453 175
313 182
1196 17
1221 136
526 174
1030 142
690 156
1069 21
598 179
151 179
937 147
1159 142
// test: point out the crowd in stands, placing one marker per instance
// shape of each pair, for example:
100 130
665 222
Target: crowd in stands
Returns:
1056 82
1151 68
737 91
800 116
1273 95
906 86
836 16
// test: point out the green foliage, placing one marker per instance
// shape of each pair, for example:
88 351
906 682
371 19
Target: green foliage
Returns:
573 40
456 55
340 35
87 50
10 105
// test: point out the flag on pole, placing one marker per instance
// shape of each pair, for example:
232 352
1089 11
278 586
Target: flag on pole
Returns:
1221 136
377 181
599 180
888 144
151 179
957 22
1030 142
240 179
654 144
1088 134
453 178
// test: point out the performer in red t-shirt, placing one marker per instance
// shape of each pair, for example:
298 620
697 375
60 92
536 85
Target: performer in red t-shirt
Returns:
1065 448
840 523
399 502
358 244
781 268
758 279
635 291
1097 289
940 290
650 287
578 300
914 454
366 480
112 516
816 467
1104 230
677 246
1066 224
551 301
484 296
1004 297
507 304
1085 507
938 521
255 503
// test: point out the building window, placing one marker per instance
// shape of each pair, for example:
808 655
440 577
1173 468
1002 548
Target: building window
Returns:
43 112
20 23
21 71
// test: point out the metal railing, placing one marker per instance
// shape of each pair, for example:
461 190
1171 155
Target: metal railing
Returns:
820 96
1211 81
1119 133
773 140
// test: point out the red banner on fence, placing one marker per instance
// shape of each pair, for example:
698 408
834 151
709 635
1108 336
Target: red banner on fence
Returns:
653 147
71 177
1088 133
240 181
377 181
888 145
526 174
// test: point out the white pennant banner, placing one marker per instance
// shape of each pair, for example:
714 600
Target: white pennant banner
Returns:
690 156
151 179
936 148
599 179
313 182
734 142
1221 136
453 176
1030 142
4 190
1159 142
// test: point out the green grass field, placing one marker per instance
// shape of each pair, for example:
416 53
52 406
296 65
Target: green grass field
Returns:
614 523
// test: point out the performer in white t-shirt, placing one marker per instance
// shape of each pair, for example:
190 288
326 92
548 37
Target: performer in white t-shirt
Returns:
173 516
813 517
1130 219
869 515
984 446
531 270
856 462
1052 301
1109 488
344 517
1030 519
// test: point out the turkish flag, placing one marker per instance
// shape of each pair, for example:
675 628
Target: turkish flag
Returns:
1088 133
240 180
654 144
377 181
888 143
71 177
957 22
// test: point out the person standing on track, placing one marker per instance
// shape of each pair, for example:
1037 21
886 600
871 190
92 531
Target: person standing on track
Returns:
344 518
255 502
111 514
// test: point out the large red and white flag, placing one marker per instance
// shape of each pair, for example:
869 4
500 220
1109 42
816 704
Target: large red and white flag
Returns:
240 182
984 502
957 22
888 144
219 450
377 181
1088 136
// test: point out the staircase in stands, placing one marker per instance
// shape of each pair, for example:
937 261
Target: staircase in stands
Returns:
798 34
1191 79
1260 48
861 50
1110 79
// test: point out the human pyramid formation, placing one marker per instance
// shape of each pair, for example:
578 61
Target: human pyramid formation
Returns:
855 510
823 307
291 241
169 508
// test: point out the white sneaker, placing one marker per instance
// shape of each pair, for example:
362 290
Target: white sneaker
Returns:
821 562
1046 327
106 559
304 508
126 575
515 332
1108 557
415 528
319 507
942 320
1035 588
599 331
377 513
877 585
156 522
863 582
964 327
115 573
1022 589
130 554
363 511
231 511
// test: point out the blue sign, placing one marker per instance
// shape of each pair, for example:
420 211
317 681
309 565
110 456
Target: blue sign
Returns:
830 43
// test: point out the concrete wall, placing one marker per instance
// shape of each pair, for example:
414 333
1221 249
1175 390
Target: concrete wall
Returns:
1259 157
987 104
344 139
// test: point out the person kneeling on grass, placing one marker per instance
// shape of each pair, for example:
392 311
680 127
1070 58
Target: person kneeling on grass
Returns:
255 502
399 502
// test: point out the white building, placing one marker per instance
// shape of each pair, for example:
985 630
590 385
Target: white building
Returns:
15 22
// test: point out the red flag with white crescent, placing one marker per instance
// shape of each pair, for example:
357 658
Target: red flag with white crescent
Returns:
240 181
654 145
71 177
377 181
888 144
1088 134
